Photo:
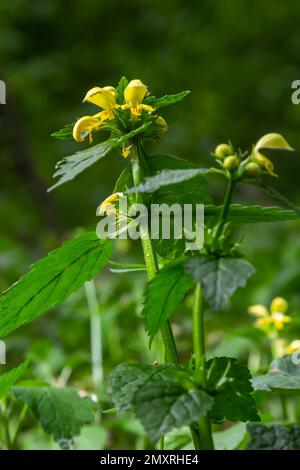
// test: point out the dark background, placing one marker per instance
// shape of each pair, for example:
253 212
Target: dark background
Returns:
238 58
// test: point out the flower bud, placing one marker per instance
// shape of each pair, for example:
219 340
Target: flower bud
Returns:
252 169
223 150
231 163
279 304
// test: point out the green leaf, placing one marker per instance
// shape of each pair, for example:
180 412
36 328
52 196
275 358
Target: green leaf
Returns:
239 214
163 293
68 168
167 178
192 191
273 437
166 100
60 411
120 90
230 438
162 397
8 379
284 376
275 194
52 279
220 277
163 404
230 383
126 379
66 133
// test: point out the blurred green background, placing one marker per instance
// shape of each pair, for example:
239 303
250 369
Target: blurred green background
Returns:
238 58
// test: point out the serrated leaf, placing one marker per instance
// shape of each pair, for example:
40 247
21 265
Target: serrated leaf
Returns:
60 411
166 100
125 380
162 397
220 277
284 376
66 133
167 178
273 437
71 166
8 379
52 279
230 383
162 405
239 214
275 194
163 293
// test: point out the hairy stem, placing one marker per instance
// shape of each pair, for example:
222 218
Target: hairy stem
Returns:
204 423
150 255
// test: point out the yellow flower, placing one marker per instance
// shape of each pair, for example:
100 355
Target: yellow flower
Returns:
107 207
269 141
279 304
293 347
276 318
105 99
134 94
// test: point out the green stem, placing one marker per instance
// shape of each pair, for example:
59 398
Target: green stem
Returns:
204 423
95 334
19 425
7 433
284 408
226 204
150 256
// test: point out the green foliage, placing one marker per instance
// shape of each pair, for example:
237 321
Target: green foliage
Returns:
60 411
164 292
52 279
8 379
273 437
220 277
232 388
166 100
239 214
275 195
120 90
162 397
167 178
69 167
64 134
164 403
284 376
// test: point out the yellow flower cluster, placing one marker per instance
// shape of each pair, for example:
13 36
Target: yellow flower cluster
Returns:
105 98
274 318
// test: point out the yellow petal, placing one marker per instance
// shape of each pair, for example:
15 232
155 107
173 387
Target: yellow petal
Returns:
263 322
273 141
279 320
103 97
85 125
107 206
135 92
279 304
293 347
258 310
264 162
163 126
126 149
